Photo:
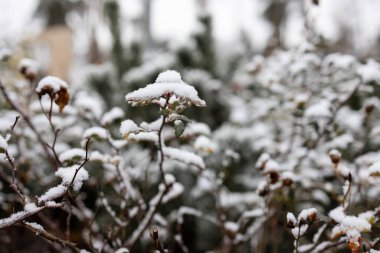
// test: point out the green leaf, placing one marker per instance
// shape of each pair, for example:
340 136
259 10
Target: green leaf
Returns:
179 127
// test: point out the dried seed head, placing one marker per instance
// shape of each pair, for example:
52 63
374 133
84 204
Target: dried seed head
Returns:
335 156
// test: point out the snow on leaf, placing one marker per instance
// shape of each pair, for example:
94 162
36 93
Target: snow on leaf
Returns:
74 154
369 72
320 109
307 214
184 156
127 127
51 85
98 133
114 114
291 218
203 143
168 82
374 170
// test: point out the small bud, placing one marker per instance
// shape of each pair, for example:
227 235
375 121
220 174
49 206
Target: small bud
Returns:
369 108
287 182
154 233
263 191
28 68
335 156
274 176
291 221
312 217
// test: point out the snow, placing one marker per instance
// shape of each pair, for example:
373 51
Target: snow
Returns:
5 53
3 144
169 178
271 166
95 132
368 216
152 126
291 218
169 76
188 211
253 213
261 162
203 143
51 84
114 114
36 226
356 223
30 207
168 82
29 66
337 214
374 169
143 137
184 156
307 214
230 226
319 109
369 72
235 199
196 128
339 61
88 103
67 175
175 191
127 127
298 232
343 171
72 154
52 193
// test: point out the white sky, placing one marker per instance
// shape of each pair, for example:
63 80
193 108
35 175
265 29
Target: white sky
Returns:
175 20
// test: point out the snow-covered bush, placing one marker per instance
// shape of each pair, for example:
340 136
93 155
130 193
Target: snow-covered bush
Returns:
292 163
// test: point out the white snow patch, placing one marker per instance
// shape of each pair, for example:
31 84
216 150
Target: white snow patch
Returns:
67 175
167 82
184 156
51 83
114 114
72 154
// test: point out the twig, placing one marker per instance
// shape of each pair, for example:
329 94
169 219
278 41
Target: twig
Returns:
51 238
160 149
156 240
80 166
148 217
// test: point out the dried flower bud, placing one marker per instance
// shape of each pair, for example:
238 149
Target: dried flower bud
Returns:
287 182
154 233
291 221
369 108
335 156
263 189
274 176
312 217
28 68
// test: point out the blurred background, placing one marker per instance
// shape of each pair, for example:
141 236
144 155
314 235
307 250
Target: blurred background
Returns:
73 32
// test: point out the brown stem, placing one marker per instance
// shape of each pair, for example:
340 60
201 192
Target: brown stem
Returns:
51 238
